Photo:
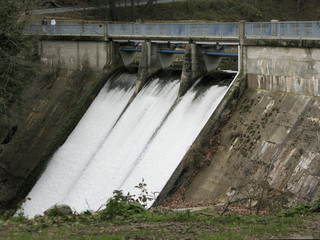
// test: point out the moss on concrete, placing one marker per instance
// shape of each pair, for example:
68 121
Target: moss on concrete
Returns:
268 150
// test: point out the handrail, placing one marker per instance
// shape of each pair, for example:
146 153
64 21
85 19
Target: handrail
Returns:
274 29
185 30
67 29
287 30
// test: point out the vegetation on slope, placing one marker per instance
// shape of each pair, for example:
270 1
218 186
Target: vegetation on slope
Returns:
15 67
210 10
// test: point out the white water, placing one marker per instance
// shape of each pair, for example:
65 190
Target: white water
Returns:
148 141
176 135
72 157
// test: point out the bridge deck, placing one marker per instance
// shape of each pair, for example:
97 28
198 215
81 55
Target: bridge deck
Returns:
229 32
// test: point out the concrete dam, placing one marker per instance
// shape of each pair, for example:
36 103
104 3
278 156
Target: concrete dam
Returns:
191 136
112 148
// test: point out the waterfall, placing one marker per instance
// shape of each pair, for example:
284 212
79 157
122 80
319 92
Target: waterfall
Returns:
114 147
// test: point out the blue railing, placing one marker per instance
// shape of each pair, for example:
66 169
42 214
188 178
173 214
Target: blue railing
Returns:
287 30
67 29
185 30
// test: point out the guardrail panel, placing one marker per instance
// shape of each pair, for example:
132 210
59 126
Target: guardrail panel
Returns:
66 29
186 30
289 30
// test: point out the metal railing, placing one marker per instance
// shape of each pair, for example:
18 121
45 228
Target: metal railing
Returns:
286 30
67 29
185 30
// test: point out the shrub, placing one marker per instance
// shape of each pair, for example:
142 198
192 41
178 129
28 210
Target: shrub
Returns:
120 205
302 209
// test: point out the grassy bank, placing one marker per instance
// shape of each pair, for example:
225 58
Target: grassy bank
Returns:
163 225
125 217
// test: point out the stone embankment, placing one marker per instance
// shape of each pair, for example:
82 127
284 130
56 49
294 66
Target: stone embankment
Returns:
269 147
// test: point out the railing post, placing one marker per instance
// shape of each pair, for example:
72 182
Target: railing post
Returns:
105 31
242 31
275 30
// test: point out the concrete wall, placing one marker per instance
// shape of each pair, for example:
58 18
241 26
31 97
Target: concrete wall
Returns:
294 70
74 55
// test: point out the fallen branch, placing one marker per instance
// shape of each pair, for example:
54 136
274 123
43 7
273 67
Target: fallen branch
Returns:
57 5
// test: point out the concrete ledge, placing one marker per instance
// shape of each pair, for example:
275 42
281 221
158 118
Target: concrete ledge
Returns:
72 38
304 43
176 39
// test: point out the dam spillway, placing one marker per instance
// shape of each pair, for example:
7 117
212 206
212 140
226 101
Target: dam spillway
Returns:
114 146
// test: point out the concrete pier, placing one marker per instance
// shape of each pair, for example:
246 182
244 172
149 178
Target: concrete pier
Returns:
193 67
149 63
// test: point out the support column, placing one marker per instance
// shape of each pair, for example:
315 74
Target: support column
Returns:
114 60
242 51
106 32
149 63
193 67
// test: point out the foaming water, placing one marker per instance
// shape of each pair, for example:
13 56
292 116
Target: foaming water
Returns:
115 157
103 154
73 156
164 153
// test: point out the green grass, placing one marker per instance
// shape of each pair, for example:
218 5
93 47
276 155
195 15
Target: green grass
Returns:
148 225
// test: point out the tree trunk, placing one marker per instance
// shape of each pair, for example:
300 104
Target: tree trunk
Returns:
113 10
106 9
300 6
133 18
148 5
126 9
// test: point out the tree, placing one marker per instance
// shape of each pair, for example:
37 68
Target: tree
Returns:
148 5
192 6
133 18
113 10
300 6
15 68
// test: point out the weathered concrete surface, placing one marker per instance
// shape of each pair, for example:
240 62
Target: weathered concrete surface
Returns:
271 144
46 104
295 70
149 63
193 67
74 54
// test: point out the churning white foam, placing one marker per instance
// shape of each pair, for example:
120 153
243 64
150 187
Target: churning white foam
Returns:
103 154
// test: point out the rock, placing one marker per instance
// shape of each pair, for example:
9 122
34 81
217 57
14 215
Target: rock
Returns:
58 210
